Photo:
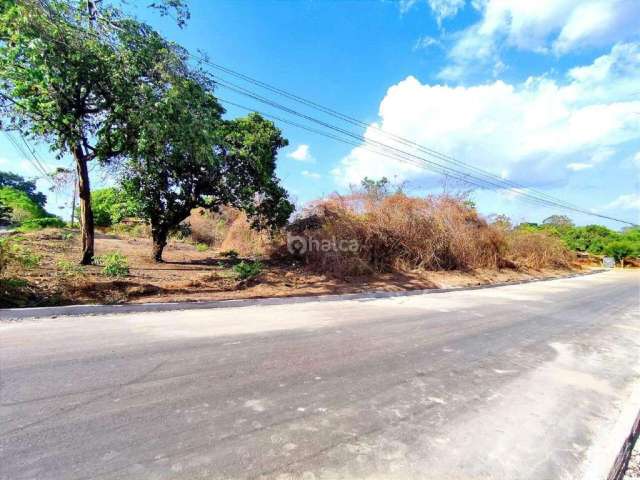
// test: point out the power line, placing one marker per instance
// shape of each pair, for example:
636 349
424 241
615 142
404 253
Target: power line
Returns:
362 124
439 168
485 178
382 150
20 149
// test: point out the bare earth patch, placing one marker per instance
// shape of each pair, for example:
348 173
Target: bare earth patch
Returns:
190 275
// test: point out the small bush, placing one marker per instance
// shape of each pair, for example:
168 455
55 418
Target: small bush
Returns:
114 264
69 269
14 282
247 270
40 223
12 252
27 258
202 247
131 229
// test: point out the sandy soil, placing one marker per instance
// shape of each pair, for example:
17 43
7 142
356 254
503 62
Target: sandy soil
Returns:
190 275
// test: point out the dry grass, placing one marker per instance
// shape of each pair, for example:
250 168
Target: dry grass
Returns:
401 233
537 250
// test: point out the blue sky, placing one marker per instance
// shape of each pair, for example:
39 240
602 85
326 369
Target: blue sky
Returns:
544 93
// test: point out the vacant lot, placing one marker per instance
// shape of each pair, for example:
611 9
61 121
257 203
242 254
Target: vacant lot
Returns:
192 275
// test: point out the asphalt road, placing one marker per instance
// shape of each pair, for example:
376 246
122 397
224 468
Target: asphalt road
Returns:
532 381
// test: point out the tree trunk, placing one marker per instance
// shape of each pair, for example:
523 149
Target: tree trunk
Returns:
86 214
159 235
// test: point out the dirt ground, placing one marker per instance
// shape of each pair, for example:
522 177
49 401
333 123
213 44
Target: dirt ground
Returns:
190 275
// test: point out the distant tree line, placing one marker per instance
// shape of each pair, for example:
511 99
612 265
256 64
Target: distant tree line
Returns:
594 239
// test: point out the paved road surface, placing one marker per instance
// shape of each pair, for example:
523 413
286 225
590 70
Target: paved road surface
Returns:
521 382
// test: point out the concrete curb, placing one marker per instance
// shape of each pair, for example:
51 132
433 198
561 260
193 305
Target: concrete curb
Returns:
622 459
14 314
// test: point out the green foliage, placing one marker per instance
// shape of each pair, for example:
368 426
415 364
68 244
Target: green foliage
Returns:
112 205
247 270
377 189
72 74
40 223
22 206
12 252
620 249
202 247
230 254
14 282
69 269
113 264
594 239
558 221
187 156
8 179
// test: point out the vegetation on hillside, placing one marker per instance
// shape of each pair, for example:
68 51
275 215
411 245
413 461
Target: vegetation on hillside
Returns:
22 206
13 180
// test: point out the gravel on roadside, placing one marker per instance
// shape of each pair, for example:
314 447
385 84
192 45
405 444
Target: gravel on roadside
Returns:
633 469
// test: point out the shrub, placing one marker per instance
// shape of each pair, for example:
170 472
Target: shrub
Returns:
202 247
247 270
112 205
12 252
114 264
40 223
620 250
397 232
536 250
26 258
131 228
69 269
245 240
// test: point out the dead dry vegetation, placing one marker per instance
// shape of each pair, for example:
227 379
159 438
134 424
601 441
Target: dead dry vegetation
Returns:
402 243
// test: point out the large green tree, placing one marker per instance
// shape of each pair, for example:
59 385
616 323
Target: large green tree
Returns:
70 71
187 156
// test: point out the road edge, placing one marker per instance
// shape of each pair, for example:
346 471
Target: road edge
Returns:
15 314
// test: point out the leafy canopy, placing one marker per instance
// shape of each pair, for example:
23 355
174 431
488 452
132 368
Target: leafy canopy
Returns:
187 156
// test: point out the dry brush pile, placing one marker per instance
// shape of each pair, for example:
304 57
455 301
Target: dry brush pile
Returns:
398 232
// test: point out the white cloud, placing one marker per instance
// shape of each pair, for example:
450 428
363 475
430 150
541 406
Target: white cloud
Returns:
426 42
406 5
531 131
441 9
630 201
577 166
302 154
309 174
445 8
541 26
